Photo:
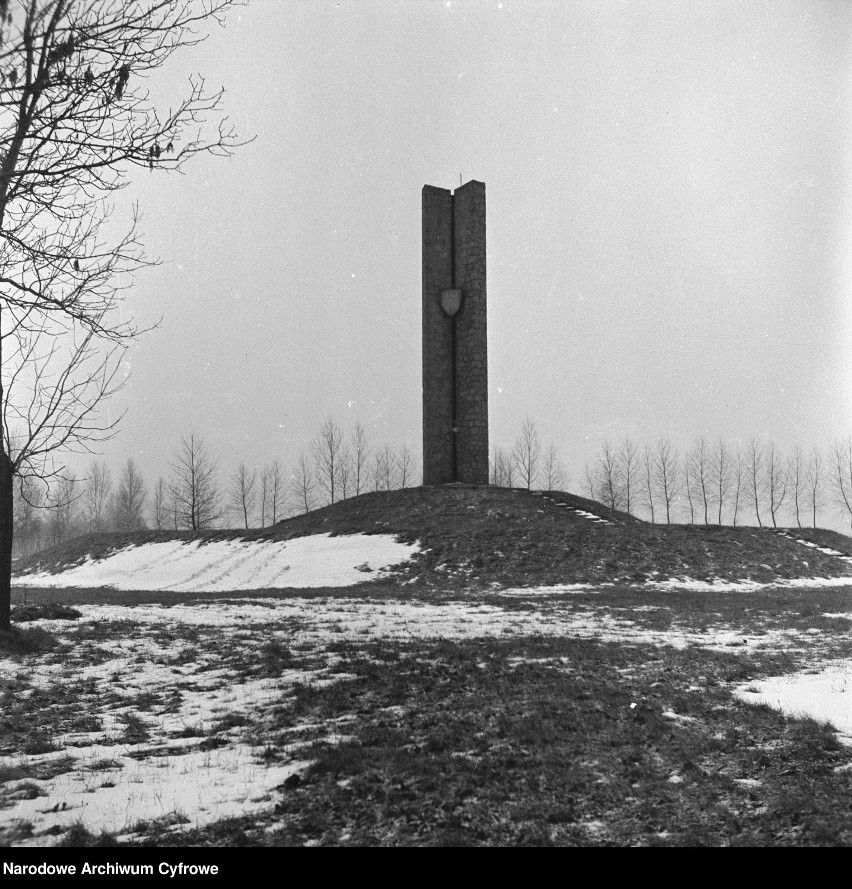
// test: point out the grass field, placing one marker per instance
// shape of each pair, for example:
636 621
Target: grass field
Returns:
447 703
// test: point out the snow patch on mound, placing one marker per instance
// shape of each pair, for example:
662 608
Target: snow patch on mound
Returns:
717 585
226 565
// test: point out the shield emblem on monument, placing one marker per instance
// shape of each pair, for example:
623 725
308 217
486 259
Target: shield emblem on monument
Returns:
451 301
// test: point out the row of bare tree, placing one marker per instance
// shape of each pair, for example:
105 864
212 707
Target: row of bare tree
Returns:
716 483
341 465
195 495
527 464
338 465
709 483
47 516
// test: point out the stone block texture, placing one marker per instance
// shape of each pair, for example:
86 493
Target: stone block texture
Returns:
455 356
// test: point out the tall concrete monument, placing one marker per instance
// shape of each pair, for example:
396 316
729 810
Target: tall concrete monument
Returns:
455 357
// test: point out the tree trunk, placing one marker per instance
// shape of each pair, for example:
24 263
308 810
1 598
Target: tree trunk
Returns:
6 535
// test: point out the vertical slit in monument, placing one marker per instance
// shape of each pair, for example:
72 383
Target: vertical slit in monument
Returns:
453 334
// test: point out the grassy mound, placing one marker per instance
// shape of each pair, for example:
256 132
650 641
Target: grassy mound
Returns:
477 535
487 535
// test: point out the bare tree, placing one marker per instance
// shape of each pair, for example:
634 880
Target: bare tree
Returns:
272 490
377 470
360 449
160 504
509 465
552 470
130 497
699 467
384 469
95 501
843 475
304 484
389 469
327 450
666 475
608 477
501 469
29 497
174 507
242 492
405 465
590 484
796 477
346 473
63 506
688 476
816 482
628 459
737 470
776 480
526 455
756 476
263 495
277 490
720 475
647 481
75 118
509 469
194 486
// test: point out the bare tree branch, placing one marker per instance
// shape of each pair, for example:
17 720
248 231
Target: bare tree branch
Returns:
76 118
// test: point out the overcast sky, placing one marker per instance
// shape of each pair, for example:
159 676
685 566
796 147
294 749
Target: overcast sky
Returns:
669 224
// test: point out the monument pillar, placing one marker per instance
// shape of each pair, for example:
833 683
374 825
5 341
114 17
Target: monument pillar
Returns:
455 356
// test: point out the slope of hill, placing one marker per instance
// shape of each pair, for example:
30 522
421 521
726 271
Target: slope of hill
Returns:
319 560
479 536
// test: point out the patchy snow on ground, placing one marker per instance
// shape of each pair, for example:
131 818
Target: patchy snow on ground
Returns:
214 738
584 514
197 763
589 515
556 589
224 565
825 696
826 550
317 622
717 585
110 790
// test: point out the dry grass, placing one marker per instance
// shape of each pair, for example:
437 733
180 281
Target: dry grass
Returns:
544 742
26 641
